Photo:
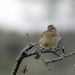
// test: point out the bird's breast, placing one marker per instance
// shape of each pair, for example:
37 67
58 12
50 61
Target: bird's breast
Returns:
49 42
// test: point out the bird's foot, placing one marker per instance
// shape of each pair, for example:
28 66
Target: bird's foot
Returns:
50 49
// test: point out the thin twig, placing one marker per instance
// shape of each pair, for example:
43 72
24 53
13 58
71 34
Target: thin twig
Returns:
24 70
28 39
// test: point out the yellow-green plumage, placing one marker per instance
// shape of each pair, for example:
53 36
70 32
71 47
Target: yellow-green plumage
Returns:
49 38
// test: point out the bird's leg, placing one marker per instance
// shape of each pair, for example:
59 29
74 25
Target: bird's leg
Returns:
50 48
54 52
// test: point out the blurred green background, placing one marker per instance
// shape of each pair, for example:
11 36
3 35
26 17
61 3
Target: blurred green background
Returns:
18 17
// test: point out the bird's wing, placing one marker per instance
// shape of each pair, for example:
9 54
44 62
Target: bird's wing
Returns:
42 37
44 33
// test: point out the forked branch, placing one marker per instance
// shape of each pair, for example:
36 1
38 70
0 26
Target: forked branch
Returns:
38 51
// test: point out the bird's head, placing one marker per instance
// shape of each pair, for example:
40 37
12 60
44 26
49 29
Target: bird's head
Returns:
51 28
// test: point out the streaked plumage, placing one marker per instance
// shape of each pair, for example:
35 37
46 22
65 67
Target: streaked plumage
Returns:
49 38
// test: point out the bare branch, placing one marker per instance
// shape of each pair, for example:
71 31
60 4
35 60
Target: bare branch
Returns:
20 58
38 51
58 59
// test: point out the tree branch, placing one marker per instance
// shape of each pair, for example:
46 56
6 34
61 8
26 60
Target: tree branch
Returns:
38 51
20 58
58 59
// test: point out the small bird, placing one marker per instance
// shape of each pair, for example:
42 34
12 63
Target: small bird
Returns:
49 39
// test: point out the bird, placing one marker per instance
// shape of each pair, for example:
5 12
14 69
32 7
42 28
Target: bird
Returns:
49 39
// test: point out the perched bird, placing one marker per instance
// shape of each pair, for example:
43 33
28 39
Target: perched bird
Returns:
49 39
